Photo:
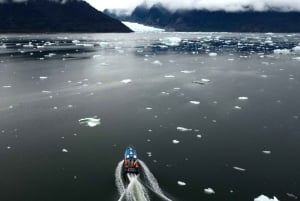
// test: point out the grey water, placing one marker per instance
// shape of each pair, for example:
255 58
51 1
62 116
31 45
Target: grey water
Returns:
203 110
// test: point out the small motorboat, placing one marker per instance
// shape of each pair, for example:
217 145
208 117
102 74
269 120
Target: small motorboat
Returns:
131 164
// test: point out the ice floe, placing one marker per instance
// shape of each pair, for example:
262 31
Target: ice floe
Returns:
43 77
243 98
291 195
239 169
156 62
205 80
169 76
237 107
187 71
183 129
126 81
181 183
266 152
171 41
296 49
212 54
195 102
282 51
265 198
209 191
175 141
90 122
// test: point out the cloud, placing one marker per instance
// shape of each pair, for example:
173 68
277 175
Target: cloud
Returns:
228 5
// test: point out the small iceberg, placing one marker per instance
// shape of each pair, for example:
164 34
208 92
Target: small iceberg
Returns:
265 198
183 129
282 51
187 71
181 183
209 191
90 122
266 152
296 49
171 41
195 102
243 98
239 169
175 141
126 81
212 54
237 107
43 77
169 76
156 62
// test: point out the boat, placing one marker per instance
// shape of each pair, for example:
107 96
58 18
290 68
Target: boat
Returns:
130 164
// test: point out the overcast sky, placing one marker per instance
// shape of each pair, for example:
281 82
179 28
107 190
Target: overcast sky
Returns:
230 5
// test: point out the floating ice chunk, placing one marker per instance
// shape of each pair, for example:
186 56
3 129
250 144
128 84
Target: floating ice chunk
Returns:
209 191
90 122
265 198
266 152
156 62
6 86
297 58
65 150
183 129
187 71
50 55
237 107
292 195
148 108
181 183
198 82
171 41
296 49
165 93
212 54
205 80
169 76
175 141
29 45
282 51
243 98
75 41
126 81
43 77
195 102
239 169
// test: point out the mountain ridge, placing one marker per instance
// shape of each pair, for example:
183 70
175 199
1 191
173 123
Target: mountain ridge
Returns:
194 20
53 16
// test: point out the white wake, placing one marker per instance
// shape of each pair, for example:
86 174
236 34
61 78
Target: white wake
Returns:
137 188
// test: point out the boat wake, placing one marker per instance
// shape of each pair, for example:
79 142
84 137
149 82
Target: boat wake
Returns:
138 186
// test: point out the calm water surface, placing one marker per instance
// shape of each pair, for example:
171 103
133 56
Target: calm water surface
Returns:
211 110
